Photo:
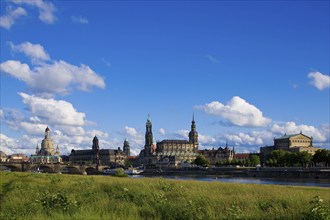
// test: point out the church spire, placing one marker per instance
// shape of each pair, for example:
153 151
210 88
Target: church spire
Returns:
193 125
57 151
148 137
193 135
37 149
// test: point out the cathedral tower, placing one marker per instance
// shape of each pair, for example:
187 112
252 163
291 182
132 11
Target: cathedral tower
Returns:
95 146
126 148
148 138
193 135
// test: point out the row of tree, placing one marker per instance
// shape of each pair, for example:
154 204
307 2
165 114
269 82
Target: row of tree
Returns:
278 158
281 158
253 160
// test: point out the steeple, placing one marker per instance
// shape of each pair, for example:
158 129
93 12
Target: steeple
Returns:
193 135
126 148
148 137
37 149
57 153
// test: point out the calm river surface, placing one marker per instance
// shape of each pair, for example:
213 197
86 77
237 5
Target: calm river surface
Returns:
250 180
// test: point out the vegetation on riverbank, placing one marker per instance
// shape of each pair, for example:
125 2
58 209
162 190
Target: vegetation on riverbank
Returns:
56 196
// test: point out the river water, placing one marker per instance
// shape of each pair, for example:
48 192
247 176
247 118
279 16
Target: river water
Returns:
248 180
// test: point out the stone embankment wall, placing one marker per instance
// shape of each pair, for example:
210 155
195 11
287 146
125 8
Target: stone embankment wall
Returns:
285 172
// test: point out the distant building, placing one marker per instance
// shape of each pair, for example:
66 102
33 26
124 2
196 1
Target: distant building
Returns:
294 143
169 152
17 158
46 154
3 157
99 156
242 156
218 155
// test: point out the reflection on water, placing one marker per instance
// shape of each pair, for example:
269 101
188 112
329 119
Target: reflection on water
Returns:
278 181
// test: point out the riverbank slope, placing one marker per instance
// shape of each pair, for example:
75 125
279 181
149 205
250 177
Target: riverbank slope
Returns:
55 196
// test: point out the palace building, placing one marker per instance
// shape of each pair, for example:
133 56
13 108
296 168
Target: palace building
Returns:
46 154
170 152
99 156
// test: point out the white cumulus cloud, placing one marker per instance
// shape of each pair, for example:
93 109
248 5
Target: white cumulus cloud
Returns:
7 20
53 111
8 145
48 79
293 128
46 9
33 51
238 112
134 136
319 80
162 131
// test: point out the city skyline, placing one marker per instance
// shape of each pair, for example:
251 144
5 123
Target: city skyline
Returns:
248 71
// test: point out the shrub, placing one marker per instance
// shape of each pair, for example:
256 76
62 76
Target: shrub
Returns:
317 211
58 201
120 172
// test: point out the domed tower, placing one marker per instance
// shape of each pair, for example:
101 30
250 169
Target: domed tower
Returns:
126 148
193 135
47 132
47 145
148 138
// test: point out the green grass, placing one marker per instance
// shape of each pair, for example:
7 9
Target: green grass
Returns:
56 196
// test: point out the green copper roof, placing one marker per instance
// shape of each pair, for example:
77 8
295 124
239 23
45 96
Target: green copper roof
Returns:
288 136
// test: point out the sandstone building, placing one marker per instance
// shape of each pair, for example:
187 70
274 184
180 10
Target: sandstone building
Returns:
294 143
218 155
46 154
169 152
99 156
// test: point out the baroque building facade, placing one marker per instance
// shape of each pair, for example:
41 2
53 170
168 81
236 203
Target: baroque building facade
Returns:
218 155
99 156
169 152
46 154
294 143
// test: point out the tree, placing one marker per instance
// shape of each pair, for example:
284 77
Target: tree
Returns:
304 158
201 161
321 156
128 163
254 160
279 157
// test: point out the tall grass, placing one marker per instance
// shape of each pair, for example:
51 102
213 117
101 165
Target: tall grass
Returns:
56 196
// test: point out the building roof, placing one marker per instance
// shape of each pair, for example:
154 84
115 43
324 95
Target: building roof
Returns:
242 156
174 142
285 136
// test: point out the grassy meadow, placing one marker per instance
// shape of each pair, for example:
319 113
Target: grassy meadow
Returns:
56 196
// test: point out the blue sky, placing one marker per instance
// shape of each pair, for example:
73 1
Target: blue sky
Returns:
249 71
